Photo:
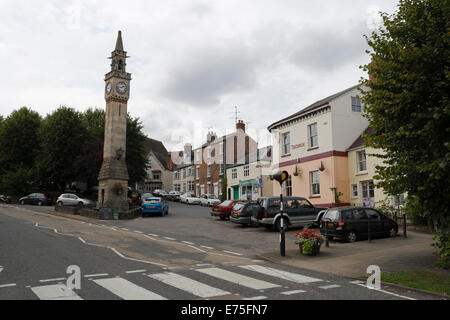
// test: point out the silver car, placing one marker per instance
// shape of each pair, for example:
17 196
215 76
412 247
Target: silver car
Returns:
71 199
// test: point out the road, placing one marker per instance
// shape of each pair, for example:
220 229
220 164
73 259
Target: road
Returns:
185 255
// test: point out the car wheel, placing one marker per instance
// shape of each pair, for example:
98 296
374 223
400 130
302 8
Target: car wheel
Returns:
392 232
278 224
22 202
351 236
40 203
60 204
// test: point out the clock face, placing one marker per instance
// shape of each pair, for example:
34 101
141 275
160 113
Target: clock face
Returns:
121 87
108 87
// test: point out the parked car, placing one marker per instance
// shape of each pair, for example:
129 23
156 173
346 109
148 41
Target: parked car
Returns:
72 199
173 196
37 198
242 213
159 193
209 200
153 205
297 212
5 199
223 210
352 223
189 198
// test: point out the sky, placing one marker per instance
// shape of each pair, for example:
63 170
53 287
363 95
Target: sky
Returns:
191 61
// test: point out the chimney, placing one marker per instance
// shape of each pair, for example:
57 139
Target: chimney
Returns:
187 153
211 136
240 125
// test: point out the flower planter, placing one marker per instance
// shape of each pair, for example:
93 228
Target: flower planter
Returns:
315 250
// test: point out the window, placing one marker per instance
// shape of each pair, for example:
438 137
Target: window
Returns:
222 169
184 187
246 171
234 173
183 173
197 173
156 175
372 214
209 171
312 135
176 187
288 187
286 143
356 104
191 186
197 155
315 184
361 161
176 176
354 190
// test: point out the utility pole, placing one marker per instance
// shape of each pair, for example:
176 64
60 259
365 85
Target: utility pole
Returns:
281 176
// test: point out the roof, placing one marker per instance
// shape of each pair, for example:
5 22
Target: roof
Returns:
119 43
316 104
157 148
359 142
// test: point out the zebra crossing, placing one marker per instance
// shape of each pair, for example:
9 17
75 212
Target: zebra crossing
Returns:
201 283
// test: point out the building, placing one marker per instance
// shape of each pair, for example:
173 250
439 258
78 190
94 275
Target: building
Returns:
211 159
113 176
311 145
248 181
183 174
361 167
159 173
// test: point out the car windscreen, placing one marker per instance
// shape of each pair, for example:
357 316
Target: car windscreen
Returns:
225 203
332 215
238 206
213 196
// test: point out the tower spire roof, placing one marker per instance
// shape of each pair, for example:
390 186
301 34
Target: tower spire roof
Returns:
119 44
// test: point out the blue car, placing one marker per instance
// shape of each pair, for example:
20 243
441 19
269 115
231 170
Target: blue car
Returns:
154 205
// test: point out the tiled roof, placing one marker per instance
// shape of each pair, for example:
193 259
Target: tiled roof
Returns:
360 140
158 149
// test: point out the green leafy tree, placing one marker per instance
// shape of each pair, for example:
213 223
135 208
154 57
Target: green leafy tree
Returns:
19 146
137 161
407 103
62 137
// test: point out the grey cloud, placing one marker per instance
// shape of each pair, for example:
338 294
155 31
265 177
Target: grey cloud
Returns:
201 79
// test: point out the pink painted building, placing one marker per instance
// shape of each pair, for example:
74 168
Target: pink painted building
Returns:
312 146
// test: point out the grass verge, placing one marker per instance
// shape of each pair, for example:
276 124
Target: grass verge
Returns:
420 279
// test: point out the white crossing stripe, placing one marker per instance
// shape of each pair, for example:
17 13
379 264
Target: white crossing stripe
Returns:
127 290
55 292
294 277
288 293
238 278
256 298
192 286
96 275
330 286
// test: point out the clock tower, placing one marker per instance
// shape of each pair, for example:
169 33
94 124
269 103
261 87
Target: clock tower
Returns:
113 176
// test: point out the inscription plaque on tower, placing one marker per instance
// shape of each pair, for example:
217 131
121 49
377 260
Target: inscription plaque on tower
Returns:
113 176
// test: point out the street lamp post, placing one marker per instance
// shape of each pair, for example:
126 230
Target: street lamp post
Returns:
281 177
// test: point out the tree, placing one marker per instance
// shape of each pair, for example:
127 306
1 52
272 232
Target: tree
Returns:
137 161
62 136
406 103
19 146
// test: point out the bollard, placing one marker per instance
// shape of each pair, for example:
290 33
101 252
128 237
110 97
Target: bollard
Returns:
404 225
369 238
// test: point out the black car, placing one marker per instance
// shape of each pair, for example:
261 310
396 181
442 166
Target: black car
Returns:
37 198
297 212
242 212
5 199
352 223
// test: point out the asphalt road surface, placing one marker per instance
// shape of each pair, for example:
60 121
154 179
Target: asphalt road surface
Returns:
182 256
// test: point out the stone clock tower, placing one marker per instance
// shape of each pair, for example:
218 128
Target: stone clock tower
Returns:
113 176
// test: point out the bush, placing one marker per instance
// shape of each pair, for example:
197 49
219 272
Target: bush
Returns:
443 244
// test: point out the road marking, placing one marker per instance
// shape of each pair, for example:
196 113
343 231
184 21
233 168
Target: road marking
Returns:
1 268
192 286
7 285
169 238
332 286
207 247
357 282
136 271
50 280
203 265
294 277
96 275
238 254
187 242
127 290
384 291
288 293
132 259
138 231
125 229
55 292
153 235
238 278
256 298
